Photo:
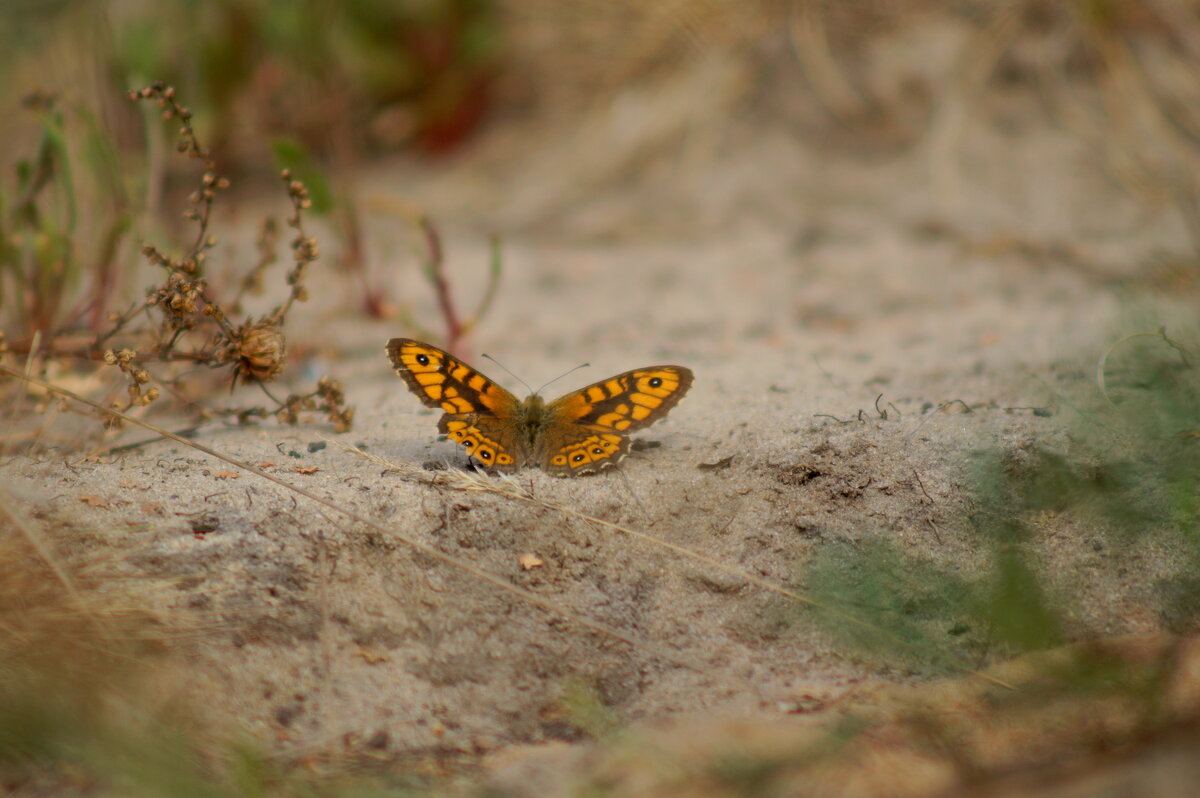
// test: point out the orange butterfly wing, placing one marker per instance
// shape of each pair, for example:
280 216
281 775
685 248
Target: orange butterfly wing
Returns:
588 429
479 414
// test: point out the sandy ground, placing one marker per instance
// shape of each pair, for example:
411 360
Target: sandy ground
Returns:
799 283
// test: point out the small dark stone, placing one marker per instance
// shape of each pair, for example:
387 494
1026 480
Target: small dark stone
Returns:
378 740
205 524
316 446
200 601
285 714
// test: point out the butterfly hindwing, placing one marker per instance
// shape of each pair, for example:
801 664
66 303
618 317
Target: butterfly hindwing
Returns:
492 441
573 450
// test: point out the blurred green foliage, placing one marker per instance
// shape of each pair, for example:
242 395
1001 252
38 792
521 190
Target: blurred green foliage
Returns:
1130 469
343 77
47 250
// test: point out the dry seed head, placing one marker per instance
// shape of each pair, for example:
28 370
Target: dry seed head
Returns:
343 420
261 350
110 357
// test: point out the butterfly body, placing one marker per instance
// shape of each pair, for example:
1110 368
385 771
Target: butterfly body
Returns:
579 433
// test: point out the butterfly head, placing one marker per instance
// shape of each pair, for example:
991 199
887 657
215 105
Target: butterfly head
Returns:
533 408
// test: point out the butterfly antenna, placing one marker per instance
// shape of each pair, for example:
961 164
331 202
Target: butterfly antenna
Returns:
560 376
514 376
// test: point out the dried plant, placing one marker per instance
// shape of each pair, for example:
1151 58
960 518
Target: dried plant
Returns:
431 255
182 321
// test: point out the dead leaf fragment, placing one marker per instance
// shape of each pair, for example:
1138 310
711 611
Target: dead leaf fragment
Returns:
265 464
530 561
95 501
306 469
371 657
226 475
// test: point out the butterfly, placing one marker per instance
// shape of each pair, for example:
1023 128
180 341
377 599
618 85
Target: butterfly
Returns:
575 434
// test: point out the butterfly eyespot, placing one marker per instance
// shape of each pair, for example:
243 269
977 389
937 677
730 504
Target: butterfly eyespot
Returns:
597 450
423 360
577 458
485 454
468 444
655 382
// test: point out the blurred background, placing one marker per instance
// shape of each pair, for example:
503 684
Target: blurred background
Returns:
601 120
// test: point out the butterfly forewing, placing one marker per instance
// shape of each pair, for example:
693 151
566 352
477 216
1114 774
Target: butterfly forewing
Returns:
441 380
627 402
